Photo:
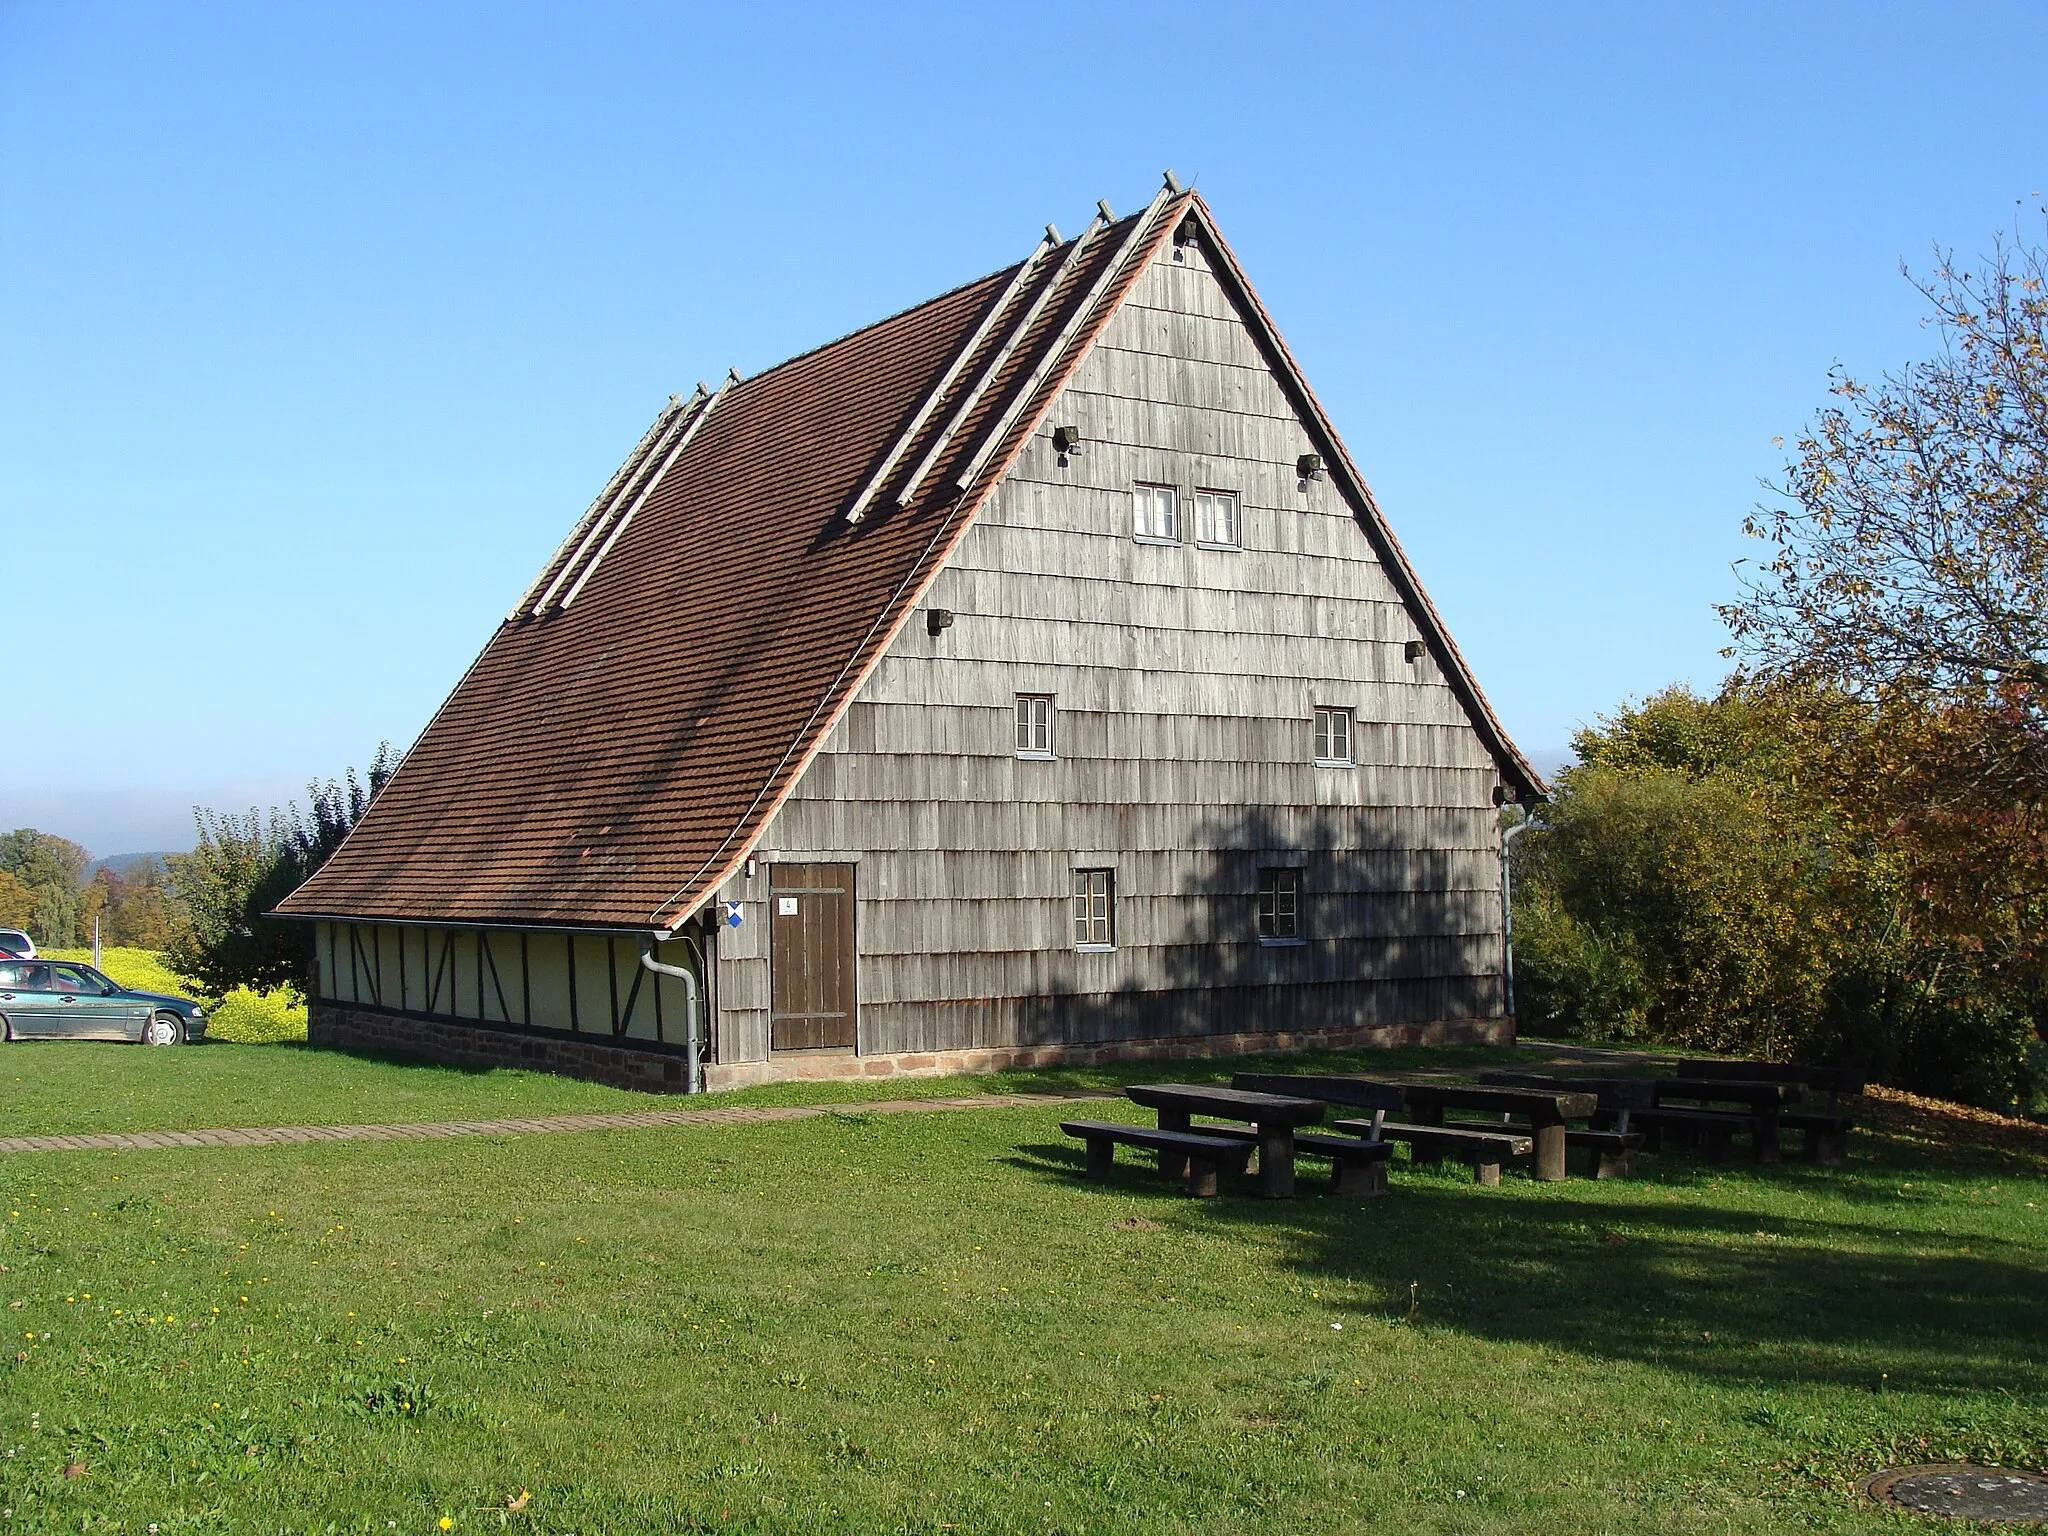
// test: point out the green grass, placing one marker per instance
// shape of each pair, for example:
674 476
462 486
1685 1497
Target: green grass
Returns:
927 1323
64 1087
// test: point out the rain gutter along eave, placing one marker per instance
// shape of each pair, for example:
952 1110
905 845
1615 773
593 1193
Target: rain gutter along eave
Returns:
630 930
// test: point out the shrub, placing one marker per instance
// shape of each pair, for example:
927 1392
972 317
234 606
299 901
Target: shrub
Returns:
239 870
145 970
241 1016
1688 885
247 1017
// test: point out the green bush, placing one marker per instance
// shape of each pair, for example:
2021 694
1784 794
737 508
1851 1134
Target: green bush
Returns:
247 1017
1687 886
241 1016
144 970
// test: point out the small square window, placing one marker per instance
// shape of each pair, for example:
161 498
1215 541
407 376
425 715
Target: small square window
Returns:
1216 519
1155 512
1333 738
1034 725
1094 909
1280 906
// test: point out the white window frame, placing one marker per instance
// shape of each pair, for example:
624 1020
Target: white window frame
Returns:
1092 910
1335 728
1206 504
1035 727
1278 910
1144 494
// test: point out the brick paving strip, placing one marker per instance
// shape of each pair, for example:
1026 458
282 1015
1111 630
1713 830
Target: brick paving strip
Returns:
287 1135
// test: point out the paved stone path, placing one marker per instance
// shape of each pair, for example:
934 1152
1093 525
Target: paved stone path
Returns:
286 1135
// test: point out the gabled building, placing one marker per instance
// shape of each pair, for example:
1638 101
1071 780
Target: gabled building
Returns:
1027 676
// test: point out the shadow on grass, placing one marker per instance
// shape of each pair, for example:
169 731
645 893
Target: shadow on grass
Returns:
1721 1283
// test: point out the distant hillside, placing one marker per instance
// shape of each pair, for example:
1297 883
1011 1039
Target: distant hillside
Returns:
129 865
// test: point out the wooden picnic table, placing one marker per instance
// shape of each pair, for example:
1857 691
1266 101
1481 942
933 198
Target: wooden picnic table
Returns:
1835 1082
1275 1115
1547 1110
1764 1099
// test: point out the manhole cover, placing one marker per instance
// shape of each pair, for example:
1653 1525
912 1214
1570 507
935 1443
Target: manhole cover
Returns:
1969 1493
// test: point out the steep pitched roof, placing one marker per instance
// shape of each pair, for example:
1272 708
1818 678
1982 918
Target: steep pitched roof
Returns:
632 726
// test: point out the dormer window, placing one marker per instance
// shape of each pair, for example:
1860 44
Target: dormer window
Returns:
1155 513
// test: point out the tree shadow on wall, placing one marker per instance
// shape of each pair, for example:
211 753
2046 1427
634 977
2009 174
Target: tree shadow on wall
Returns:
1388 938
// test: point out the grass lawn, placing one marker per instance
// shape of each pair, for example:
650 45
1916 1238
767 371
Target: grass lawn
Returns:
62 1088
928 1323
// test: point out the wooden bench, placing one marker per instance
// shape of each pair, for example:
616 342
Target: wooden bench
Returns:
1614 1152
1277 1116
1712 1129
1357 1166
1827 1135
1484 1149
1826 1129
1206 1155
1613 1142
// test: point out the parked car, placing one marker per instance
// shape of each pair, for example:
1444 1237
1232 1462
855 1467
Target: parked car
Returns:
63 1000
16 944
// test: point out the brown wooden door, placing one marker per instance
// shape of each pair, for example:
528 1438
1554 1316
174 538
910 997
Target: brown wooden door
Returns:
812 1002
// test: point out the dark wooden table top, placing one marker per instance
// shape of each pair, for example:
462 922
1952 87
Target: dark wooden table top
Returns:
1822 1079
1707 1090
1227 1103
1551 1103
1330 1088
1612 1092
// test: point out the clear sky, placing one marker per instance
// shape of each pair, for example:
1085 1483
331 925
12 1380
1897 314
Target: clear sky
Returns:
320 324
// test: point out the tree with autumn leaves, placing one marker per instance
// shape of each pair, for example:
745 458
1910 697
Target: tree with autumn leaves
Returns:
1845 854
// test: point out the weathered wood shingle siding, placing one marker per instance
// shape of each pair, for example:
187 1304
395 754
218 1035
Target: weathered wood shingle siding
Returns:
1186 680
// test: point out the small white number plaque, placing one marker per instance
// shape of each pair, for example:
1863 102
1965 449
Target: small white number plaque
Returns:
785 906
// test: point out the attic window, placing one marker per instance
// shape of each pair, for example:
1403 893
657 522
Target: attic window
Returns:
1155 513
1333 738
1216 519
1034 725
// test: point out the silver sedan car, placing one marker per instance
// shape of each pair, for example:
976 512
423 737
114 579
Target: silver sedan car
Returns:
63 1000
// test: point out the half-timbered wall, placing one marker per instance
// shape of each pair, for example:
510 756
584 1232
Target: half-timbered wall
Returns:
1185 682
581 984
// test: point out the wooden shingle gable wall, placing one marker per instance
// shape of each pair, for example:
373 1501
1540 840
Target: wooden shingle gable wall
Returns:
1185 681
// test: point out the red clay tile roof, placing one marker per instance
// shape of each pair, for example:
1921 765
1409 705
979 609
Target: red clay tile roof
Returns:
608 763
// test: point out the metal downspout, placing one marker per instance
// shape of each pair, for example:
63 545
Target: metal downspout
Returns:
1507 912
691 1078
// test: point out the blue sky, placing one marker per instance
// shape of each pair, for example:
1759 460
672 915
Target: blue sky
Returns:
318 325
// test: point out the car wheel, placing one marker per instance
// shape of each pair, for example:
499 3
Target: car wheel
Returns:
164 1029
